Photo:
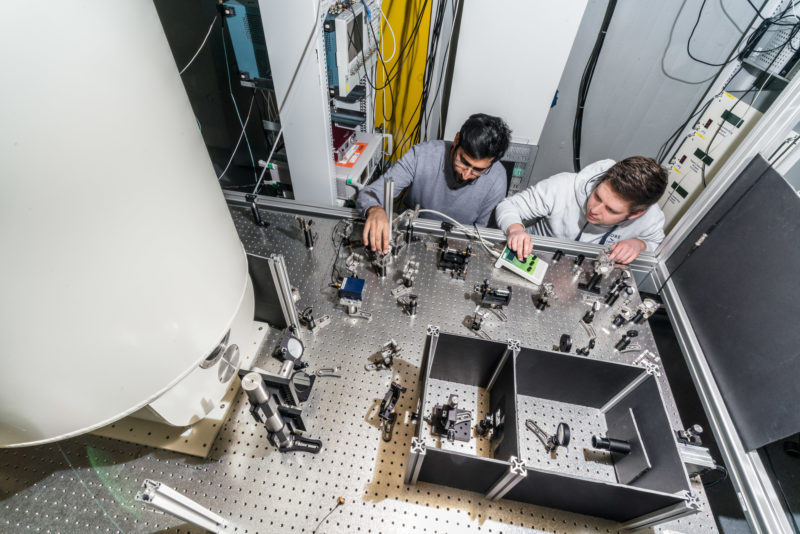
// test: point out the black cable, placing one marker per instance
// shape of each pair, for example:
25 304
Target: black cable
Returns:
662 151
706 234
752 104
586 82
689 41
758 11
403 52
430 60
385 71
752 39
750 44
722 478
352 44
444 65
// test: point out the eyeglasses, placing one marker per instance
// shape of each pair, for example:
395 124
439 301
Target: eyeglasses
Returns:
467 169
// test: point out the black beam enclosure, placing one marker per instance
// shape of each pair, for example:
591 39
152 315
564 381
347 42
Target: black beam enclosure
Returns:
644 403
562 377
466 360
462 471
651 479
617 502
503 396
268 308
740 292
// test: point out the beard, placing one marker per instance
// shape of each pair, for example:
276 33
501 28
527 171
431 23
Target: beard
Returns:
453 179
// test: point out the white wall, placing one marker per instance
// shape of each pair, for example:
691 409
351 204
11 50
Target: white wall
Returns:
511 54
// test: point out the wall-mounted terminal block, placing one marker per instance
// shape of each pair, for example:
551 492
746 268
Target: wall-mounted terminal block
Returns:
386 412
351 297
314 324
547 292
308 234
450 421
385 357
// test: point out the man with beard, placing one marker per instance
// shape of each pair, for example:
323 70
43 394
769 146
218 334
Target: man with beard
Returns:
463 179
611 204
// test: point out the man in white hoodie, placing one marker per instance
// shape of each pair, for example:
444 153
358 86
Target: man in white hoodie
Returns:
606 203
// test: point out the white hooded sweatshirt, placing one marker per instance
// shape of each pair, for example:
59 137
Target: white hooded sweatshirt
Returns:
558 207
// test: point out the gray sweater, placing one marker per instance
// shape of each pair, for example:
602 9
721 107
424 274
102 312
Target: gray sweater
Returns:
427 169
558 206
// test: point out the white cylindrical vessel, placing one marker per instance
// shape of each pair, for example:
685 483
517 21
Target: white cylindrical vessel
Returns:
121 269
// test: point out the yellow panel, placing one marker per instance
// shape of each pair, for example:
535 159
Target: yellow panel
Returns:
402 105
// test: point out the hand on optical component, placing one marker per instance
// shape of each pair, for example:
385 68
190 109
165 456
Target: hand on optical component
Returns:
626 251
376 230
519 241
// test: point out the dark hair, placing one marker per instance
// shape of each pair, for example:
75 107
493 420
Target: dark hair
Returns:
484 136
639 180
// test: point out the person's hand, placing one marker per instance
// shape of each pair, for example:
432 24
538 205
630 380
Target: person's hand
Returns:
376 230
519 241
626 251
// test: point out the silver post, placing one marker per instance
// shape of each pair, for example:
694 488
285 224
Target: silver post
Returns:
388 204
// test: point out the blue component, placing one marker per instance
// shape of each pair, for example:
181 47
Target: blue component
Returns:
247 36
330 53
352 288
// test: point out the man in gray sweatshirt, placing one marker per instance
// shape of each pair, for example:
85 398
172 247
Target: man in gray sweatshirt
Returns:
463 179
606 203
